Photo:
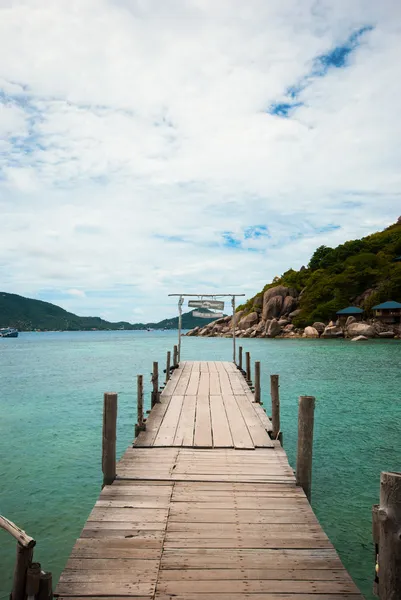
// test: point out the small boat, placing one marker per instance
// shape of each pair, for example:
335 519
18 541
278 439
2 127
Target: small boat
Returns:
8 332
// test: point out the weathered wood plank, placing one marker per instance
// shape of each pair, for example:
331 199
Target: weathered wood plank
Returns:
203 427
168 427
220 428
238 428
184 435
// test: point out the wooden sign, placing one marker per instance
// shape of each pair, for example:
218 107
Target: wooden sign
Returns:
208 315
216 304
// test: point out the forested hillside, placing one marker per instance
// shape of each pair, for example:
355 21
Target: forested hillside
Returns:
360 272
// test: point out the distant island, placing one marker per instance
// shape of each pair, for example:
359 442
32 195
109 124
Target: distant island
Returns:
353 291
27 314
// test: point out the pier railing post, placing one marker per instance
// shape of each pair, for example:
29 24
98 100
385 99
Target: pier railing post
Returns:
240 358
45 586
248 367
305 443
376 539
140 425
155 384
33 580
168 366
109 438
22 563
389 515
175 356
257 381
274 393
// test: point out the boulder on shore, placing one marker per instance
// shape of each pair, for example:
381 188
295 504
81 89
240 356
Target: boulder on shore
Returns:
310 332
274 329
349 321
289 305
319 326
332 331
248 320
387 334
272 308
359 338
356 329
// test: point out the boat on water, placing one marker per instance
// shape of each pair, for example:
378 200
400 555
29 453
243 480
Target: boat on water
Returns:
8 332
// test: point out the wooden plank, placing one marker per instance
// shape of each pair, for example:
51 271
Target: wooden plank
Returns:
249 573
258 433
153 422
204 387
212 366
262 596
214 382
193 384
264 419
182 384
256 586
238 428
118 564
220 428
203 428
106 588
184 434
168 427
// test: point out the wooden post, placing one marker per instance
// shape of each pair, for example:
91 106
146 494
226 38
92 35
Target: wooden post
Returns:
274 393
257 381
168 366
140 425
240 358
248 367
390 536
175 356
155 383
305 443
22 562
109 438
32 580
376 538
45 587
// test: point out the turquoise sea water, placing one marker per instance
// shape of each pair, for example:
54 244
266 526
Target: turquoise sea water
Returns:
51 387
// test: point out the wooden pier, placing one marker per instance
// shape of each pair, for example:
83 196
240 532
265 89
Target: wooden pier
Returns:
205 506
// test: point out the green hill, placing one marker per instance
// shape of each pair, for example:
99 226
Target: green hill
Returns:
27 314
361 272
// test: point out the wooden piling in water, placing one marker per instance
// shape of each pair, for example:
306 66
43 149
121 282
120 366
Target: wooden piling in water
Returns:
168 366
275 398
248 367
257 382
155 383
389 516
175 356
32 580
376 538
109 438
140 424
45 587
305 443
240 358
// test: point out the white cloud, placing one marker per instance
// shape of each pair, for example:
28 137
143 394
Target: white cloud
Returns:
134 134
76 293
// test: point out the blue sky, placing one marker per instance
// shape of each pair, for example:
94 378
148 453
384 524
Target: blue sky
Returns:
155 147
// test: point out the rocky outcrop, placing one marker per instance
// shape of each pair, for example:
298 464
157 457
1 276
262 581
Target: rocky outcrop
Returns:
356 329
278 301
289 305
248 320
320 327
332 331
272 308
274 329
310 332
349 321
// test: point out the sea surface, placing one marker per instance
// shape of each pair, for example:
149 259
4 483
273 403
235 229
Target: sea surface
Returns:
51 389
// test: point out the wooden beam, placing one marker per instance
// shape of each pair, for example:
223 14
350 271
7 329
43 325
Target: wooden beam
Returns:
109 437
390 536
305 443
257 381
275 397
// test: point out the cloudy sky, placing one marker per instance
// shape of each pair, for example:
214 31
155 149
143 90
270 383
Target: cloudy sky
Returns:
157 146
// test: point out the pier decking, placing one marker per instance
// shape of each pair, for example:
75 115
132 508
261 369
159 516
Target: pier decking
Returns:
205 506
